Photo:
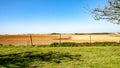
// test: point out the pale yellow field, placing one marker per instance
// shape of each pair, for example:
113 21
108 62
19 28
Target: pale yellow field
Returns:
43 39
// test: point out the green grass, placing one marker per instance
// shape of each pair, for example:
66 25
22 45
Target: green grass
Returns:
60 57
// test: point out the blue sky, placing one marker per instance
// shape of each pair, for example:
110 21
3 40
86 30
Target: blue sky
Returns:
48 16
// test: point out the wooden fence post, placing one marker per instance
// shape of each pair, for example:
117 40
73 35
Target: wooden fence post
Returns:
60 39
31 40
90 39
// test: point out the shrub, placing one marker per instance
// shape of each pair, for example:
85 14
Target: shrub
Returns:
72 44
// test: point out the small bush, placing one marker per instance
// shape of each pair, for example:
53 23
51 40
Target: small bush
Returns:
10 45
1 44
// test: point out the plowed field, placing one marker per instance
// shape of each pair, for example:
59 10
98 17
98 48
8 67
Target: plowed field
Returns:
43 39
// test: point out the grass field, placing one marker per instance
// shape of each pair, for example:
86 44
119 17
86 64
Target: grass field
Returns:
44 39
107 56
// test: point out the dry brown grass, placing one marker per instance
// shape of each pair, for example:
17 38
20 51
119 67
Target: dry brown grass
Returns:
43 39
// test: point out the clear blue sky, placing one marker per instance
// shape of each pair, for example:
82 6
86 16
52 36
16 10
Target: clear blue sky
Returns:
48 16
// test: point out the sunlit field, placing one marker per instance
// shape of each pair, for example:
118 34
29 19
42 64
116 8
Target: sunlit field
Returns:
95 56
45 39
59 33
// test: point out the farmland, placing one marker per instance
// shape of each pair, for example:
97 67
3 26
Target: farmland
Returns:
74 51
45 39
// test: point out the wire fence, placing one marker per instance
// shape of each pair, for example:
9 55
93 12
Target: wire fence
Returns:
45 39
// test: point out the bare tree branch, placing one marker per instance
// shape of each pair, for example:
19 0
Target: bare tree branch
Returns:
110 12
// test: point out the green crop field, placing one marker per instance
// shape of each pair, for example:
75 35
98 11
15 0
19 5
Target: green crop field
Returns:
60 57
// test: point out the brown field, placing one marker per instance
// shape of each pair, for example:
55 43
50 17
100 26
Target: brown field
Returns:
43 39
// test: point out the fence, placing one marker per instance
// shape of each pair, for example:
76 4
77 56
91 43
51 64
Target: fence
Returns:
44 39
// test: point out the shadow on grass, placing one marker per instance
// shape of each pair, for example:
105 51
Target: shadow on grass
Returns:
23 60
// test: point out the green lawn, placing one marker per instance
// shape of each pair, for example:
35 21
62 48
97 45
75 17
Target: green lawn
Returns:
60 57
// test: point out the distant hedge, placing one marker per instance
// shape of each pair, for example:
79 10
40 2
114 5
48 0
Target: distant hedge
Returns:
71 44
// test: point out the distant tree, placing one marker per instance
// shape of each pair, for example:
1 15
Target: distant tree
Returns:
110 12
55 33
